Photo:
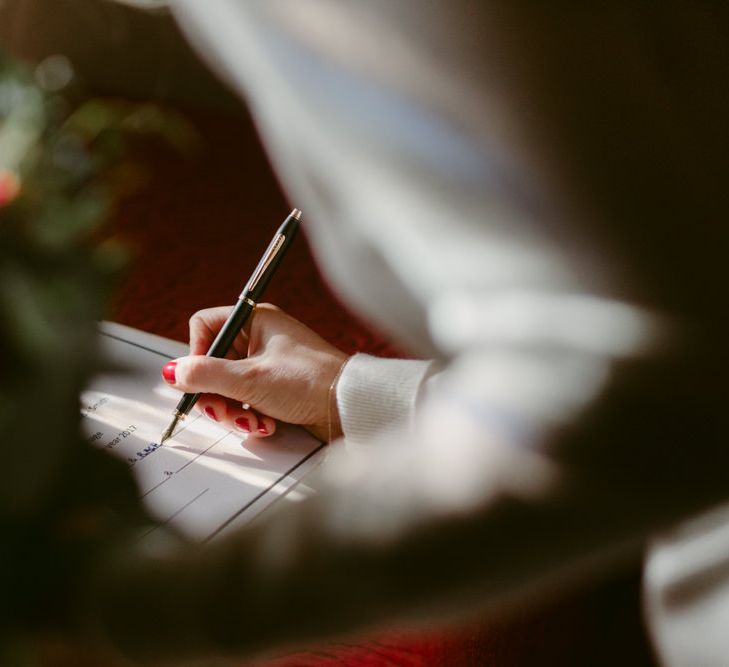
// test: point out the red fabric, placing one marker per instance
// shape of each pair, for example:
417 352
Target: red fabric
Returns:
194 234
197 230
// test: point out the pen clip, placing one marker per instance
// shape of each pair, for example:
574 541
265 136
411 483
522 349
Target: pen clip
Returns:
271 252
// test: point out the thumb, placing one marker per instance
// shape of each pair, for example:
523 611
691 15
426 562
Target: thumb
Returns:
209 375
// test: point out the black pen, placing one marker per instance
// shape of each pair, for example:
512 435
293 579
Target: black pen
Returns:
246 303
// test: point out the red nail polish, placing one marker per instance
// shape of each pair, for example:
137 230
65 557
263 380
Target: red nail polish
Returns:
211 413
262 428
243 424
168 372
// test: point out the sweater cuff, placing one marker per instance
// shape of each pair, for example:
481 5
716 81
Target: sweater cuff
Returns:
374 394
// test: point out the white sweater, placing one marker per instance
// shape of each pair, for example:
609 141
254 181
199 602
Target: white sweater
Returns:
374 394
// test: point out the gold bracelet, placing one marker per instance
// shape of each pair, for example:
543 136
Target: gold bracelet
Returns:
331 397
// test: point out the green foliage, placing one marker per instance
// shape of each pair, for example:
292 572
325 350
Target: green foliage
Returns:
62 503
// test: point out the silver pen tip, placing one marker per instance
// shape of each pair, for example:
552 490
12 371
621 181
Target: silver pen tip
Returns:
296 213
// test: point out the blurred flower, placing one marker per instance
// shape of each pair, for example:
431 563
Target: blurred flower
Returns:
9 187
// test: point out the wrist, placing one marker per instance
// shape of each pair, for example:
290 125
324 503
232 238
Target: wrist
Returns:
331 429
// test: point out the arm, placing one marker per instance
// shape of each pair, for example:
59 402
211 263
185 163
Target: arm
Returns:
374 395
281 369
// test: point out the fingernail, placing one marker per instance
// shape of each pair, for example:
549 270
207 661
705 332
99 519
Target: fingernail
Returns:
168 372
211 413
242 424
262 428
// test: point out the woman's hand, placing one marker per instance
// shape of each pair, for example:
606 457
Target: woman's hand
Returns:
277 366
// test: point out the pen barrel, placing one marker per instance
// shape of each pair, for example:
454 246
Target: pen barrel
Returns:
249 296
271 258
227 334
186 403
222 343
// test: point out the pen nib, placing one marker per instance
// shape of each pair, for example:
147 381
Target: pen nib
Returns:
170 430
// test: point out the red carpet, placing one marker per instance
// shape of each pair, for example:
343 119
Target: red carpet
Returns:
195 233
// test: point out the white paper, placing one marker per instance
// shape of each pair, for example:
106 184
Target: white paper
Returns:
205 480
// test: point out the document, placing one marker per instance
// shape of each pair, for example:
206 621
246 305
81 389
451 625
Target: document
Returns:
204 481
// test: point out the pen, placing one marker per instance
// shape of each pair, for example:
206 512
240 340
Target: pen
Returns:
246 303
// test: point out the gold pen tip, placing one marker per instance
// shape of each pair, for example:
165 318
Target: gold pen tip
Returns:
296 213
173 425
170 430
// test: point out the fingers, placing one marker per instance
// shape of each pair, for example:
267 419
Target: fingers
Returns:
214 407
232 378
212 377
266 426
204 327
261 325
236 418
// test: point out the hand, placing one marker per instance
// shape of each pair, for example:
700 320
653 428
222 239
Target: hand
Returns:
277 366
